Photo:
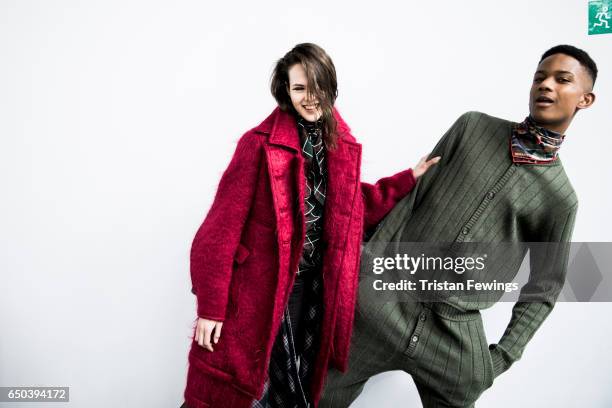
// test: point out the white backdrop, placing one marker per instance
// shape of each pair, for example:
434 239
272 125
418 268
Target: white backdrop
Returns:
117 119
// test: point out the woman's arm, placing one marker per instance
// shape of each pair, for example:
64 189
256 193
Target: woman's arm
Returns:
215 243
381 197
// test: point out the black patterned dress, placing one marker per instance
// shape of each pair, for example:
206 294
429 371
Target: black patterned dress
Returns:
296 344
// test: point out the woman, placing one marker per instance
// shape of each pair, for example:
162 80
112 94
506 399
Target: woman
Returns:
275 263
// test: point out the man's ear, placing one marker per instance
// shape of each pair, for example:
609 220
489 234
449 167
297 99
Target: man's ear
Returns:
586 100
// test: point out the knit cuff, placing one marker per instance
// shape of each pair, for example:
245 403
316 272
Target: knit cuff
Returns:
500 363
204 312
406 180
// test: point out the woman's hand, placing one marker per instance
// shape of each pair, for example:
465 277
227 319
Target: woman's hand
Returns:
204 330
423 165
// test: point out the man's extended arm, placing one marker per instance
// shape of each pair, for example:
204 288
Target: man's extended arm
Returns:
548 267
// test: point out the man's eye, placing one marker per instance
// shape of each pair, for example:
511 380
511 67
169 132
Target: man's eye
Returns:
564 80
537 79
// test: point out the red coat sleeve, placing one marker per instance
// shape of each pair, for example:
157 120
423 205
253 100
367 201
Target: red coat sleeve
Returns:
380 198
217 239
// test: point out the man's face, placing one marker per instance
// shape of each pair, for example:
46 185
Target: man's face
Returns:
561 86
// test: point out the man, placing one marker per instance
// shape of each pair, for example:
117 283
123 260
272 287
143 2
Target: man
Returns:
497 182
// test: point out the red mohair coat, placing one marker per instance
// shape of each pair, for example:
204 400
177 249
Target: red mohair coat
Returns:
245 255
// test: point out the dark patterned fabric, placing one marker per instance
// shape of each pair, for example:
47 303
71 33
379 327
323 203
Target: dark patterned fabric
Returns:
533 144
296 345
314 201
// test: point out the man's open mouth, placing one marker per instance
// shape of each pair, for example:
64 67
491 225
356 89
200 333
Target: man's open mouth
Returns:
544 100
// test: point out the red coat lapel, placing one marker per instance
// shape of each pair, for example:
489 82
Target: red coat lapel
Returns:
285 167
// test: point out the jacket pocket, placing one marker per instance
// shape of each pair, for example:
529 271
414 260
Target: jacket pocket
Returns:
242 253
200 361
488 362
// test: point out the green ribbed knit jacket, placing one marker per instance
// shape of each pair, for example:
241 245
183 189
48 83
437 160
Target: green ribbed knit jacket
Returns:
477 194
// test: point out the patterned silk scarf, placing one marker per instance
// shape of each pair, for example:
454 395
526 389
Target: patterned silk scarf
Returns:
534 144
313 151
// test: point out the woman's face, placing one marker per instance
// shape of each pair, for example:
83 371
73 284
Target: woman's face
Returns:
309 109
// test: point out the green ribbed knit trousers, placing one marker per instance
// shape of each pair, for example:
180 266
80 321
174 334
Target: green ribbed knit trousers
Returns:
443 349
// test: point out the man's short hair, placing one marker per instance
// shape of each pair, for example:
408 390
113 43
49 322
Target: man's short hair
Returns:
580 55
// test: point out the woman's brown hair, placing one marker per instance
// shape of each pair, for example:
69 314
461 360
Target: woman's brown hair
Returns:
322 84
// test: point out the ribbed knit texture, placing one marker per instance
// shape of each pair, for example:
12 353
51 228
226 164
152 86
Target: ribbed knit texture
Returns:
445 351
476 194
